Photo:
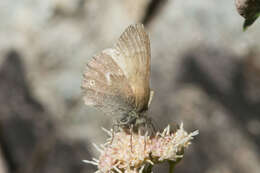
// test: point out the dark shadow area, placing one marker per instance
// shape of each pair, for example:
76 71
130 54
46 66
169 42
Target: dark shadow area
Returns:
28 137
152 10
16 106
221 76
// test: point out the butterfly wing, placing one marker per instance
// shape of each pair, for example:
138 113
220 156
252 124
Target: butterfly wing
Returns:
117 80
105 86
134 46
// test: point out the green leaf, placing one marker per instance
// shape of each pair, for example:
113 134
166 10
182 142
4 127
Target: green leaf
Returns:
249 21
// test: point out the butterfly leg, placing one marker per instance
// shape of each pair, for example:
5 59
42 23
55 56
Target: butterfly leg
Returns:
152 125
113 134
131 137
145 137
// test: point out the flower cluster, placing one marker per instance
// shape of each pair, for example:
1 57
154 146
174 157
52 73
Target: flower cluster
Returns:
131 152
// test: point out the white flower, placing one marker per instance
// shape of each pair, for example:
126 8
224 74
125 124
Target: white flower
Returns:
129 153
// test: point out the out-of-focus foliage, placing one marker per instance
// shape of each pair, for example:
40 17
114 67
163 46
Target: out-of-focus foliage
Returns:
249 9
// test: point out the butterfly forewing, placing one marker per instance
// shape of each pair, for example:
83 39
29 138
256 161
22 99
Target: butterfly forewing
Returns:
117 79
134 47
105 86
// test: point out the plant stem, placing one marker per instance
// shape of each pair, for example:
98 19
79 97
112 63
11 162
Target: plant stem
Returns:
171 166
148 169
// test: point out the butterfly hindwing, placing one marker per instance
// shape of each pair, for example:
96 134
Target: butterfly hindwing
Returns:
117 79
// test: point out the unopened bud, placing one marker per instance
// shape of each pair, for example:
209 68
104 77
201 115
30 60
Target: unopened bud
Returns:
249 9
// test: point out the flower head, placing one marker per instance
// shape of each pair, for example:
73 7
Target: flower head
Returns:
131 152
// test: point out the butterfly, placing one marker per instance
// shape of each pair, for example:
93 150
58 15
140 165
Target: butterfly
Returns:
117 80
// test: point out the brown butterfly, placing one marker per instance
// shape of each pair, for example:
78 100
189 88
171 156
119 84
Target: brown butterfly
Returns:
117 80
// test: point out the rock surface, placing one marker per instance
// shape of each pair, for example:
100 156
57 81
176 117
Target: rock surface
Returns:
3 165
28 136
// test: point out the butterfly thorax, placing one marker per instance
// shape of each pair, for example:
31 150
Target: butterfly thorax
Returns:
135 120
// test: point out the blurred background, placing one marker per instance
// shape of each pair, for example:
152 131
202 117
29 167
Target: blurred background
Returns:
205 73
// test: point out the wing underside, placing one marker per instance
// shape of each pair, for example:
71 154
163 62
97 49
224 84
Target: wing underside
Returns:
105 85
117 79
134 46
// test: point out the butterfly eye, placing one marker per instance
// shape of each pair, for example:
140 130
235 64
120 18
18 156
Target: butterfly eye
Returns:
125 119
